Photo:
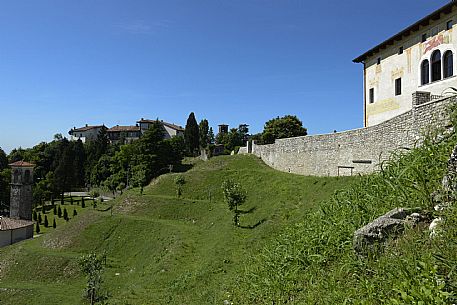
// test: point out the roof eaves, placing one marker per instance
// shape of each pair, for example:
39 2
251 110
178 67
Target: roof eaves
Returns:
436 15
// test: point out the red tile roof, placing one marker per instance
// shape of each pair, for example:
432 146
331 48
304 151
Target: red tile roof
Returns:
11 224
85 128
123 128
21 164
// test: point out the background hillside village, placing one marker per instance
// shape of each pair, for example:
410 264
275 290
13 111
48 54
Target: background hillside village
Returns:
410 95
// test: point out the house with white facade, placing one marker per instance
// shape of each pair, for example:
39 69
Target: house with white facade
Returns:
419 58
86 133
123 134
170 130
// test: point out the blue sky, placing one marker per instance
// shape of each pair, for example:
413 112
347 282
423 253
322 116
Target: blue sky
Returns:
68 63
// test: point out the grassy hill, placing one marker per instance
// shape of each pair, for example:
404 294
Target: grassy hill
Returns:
161 249
294 246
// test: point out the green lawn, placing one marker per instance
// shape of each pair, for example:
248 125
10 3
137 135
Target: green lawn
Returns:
161 249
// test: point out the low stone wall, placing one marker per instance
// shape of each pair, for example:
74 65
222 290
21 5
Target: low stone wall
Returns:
358 151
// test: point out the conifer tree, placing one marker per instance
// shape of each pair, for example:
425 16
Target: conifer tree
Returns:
75 213
65 214
46 223
35 216
59 212
203 132
83 204
55 210
191 135
43 209
37 228
39 218
54 225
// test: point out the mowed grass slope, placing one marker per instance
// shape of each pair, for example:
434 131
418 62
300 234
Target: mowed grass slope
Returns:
161 249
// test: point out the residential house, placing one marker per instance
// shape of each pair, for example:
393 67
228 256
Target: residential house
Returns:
86 133
169 130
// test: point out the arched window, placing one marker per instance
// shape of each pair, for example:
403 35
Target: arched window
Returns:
436 66
448 64
425 72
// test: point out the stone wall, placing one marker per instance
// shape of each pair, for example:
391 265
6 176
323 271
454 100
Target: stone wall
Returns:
358 151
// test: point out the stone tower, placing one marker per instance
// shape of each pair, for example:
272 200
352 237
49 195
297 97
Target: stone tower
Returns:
21 190
223 128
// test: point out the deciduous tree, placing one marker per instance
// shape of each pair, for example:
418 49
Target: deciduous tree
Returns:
285 127
234 196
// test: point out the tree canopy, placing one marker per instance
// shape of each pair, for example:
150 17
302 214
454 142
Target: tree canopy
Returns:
285 127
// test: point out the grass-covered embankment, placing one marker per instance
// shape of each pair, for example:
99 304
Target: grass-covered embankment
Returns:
313 262
161 249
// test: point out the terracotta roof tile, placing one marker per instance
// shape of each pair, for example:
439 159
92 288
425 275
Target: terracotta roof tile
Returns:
86 128
22 164
123 128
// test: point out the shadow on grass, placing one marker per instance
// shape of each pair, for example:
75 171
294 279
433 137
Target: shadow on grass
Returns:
251 210
254 226
181 168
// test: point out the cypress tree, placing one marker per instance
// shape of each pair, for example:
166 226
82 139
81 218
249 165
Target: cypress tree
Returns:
46 223
55 210
34 216
39 218
75 213
83 205
59 212
191 135
54 225
71 200
43 209
65 214
37 228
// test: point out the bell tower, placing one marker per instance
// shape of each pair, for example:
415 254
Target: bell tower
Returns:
21 190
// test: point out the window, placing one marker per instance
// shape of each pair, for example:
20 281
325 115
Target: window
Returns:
436 65
424 37
400 50
425 71
449 25
448 64
398 86
27 177
379 61
371 95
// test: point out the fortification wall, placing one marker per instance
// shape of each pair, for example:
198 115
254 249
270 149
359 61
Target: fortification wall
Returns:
358 151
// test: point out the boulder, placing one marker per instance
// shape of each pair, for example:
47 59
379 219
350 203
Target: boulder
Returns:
388 225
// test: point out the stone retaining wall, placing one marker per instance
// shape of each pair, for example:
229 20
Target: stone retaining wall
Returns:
358 151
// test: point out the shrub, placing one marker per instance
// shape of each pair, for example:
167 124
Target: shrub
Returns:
59 212
75 213
179 181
